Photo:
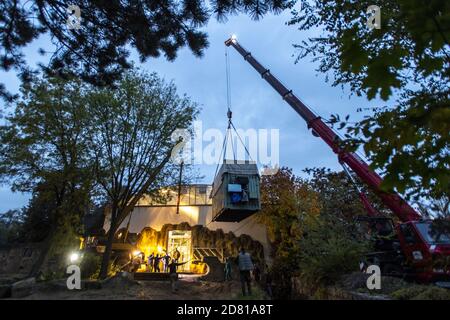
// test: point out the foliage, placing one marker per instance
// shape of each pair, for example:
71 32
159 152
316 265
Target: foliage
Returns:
288 204
98 51
339 196
130 137
329 249
65 240
43 151
72 144
408 58
435 208
10 226
90 265
310 225
418 292
357 281
41 141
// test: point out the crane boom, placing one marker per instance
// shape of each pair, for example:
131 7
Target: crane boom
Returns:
319 128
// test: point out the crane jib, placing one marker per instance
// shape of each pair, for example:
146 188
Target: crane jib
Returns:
398 205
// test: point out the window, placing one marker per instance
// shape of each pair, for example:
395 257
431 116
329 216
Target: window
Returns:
433 235
408 233
200 195
202 189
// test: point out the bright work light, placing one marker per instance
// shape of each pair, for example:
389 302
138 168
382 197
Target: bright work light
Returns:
74 257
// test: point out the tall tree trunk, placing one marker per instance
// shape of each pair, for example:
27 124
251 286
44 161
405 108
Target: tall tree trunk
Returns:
108 249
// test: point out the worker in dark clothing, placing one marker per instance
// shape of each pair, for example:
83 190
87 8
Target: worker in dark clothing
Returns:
256 273
227 269
156 261
173 274
268 282
245 267
166 260
150 262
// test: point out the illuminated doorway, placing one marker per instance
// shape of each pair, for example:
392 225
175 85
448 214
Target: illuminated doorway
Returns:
180 240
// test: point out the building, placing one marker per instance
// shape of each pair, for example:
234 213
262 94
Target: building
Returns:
156 227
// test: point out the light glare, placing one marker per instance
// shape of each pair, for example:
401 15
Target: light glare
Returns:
74 257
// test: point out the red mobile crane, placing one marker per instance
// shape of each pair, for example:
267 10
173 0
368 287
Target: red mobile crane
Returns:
420 250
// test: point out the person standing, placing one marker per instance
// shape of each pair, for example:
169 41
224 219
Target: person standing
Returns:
150 262
227 269
166 260
245 264
156 263
268 282
256 273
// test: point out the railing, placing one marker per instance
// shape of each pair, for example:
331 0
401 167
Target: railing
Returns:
200 253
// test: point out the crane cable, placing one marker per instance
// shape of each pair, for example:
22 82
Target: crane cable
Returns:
230 127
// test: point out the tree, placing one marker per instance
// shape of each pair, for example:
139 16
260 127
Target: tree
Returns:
10 226
130 138
339 196
330 248
437 209
98 51
42 151
288 204
311 226
408 59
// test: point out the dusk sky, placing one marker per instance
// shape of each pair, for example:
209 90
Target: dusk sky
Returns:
254 103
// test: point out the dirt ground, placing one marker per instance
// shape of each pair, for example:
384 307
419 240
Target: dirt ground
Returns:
148 290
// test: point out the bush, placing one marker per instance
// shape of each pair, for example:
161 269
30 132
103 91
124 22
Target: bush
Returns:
421 293
328 251
90 265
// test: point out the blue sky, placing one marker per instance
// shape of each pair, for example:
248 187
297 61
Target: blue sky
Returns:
255 104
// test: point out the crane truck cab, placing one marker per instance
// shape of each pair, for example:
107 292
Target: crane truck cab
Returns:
426 249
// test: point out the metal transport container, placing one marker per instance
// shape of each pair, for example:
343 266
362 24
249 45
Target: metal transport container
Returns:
236 191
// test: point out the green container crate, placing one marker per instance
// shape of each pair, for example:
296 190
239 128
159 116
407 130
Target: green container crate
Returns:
228 204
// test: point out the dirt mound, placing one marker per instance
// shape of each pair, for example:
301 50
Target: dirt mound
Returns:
120 281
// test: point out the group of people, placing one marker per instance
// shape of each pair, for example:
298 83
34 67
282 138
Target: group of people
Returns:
156 262
247 269
170 265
